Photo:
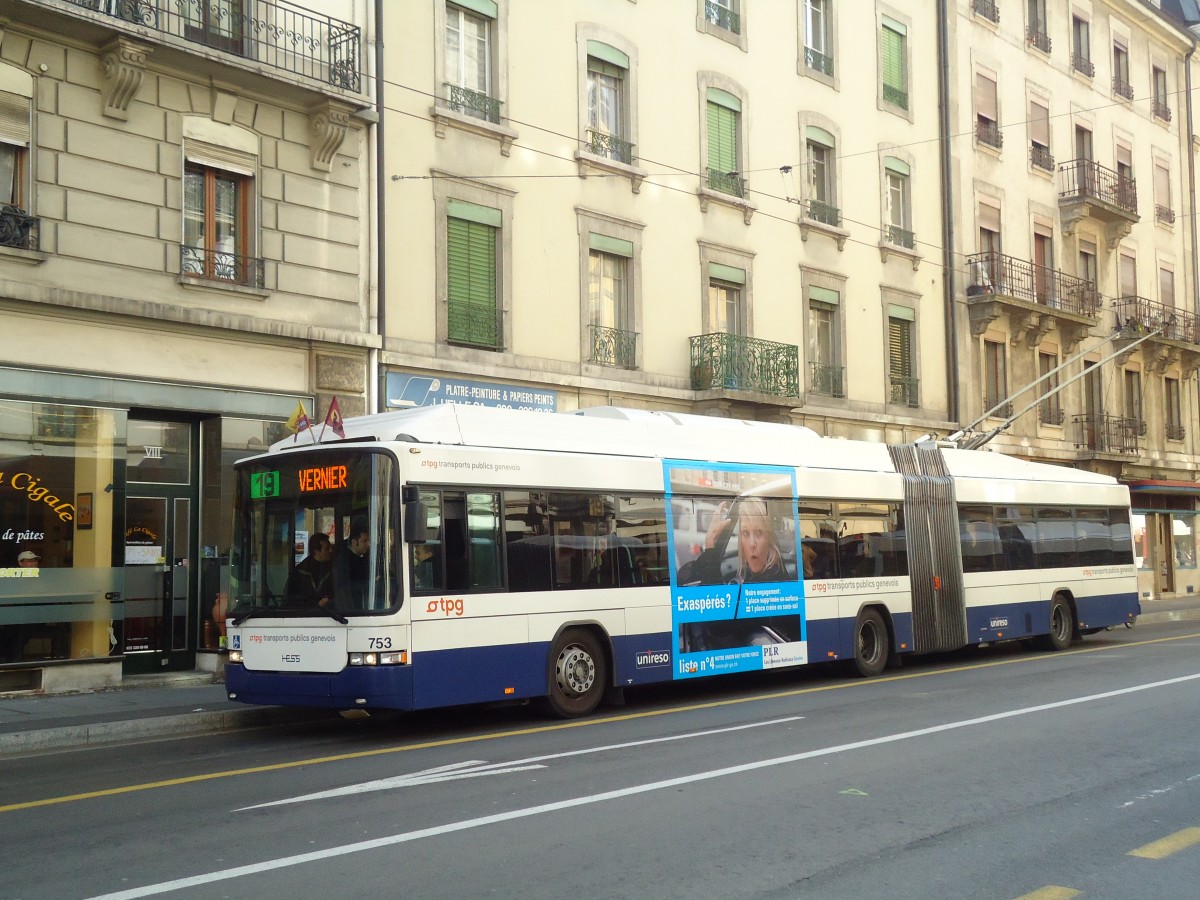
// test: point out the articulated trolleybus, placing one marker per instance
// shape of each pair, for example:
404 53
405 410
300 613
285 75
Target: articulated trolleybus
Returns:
455 555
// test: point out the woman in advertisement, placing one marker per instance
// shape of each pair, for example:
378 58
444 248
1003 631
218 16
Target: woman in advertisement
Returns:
759 557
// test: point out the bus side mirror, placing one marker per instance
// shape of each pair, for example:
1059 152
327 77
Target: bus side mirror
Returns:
416 529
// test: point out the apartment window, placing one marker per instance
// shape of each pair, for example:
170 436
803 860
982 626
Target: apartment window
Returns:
1127 275
724 14
1083 143
1039 136
217 23
472 290
607 103
987 270
822 180
16 226
612 337
1043 264
1174 410
1133 399
1121 84
217 203
725 285
893 44
902 383
818 43
1087 261
898 204
724 112
1049 409
470 59
1081 47
1164 211
1036 30
995 375
825 372
1158 85
987 119
1166 287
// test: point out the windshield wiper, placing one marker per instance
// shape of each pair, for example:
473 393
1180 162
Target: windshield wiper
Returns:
333 614
239 618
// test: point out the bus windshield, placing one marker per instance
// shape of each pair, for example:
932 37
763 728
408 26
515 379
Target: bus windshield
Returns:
315 533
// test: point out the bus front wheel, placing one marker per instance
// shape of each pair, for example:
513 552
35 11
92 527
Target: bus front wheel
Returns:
870 644
578 675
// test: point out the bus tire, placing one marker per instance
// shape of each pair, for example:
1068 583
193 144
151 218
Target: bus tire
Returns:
578 674
1062 625
870 644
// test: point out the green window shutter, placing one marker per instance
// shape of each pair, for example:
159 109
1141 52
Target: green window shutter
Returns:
730 274
483 7
471 282
824 295
899 348
893 59
608 53
606 244
722 138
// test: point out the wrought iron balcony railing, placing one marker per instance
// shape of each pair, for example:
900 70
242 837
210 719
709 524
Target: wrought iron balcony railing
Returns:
895 95
1164 214
275 33
727 182
17 229
999 410
1140 315
1175 431
901 237
818 61
613 347
1000 274
1102 433
472 103
1161 110
904 390
1036 36
732 362
474 325
986 9
1083 65
826 380
1040 157
1050 413
609 146
988 132
722 17
1122 88
1087 179
825 213
217 265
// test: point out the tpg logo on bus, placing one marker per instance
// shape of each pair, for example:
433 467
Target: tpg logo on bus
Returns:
653 659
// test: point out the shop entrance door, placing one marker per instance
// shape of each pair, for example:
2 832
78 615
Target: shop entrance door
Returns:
160 543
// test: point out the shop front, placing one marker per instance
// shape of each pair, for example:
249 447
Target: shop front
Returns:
1164 520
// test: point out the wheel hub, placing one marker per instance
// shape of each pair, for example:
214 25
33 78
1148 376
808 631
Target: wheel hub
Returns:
576 670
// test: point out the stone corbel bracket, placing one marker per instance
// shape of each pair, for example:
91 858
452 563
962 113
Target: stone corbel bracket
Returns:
328 123
124 65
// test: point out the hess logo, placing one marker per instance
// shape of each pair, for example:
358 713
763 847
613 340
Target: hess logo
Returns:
291 657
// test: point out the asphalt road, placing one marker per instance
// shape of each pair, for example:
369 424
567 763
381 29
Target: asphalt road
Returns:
993 774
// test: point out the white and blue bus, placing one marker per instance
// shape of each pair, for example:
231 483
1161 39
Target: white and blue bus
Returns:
483 555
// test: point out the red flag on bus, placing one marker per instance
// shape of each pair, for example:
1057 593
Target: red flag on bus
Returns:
333 418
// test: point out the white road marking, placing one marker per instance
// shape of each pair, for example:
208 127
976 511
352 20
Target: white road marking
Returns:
165 887
477 767
1158 792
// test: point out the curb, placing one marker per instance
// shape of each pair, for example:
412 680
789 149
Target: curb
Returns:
1169 615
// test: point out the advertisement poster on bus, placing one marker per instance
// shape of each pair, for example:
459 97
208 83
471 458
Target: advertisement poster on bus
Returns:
737 595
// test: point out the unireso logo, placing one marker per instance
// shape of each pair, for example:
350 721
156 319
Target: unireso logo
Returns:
648 659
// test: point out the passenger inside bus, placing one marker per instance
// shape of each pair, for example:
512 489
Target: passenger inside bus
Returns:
311 580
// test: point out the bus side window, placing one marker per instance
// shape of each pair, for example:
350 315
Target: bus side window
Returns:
427 557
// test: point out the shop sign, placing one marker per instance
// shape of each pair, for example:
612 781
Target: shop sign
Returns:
422 390
35 492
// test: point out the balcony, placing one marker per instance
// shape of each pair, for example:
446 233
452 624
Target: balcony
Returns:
273 33
730 362
1102 433
1050 413
1138 315
722 17
895 95
1174 431
1088 190
1083 65
1164 214
472 103
613 347
219 266
1040 157
825 213
1122 88
828 381
899 237
17 230
1033 298
727 183
904 391
988 132
998 410
818 61
986 9
1160 109
474 325
1036 36
609 146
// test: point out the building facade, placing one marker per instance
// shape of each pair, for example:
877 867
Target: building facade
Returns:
185 254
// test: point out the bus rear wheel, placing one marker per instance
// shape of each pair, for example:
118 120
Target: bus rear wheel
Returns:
578 674
1062 625
870 644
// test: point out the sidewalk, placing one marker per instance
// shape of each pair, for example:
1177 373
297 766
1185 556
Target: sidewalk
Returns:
191 703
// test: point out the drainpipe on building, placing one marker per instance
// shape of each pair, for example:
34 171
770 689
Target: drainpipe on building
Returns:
378 402
949 271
